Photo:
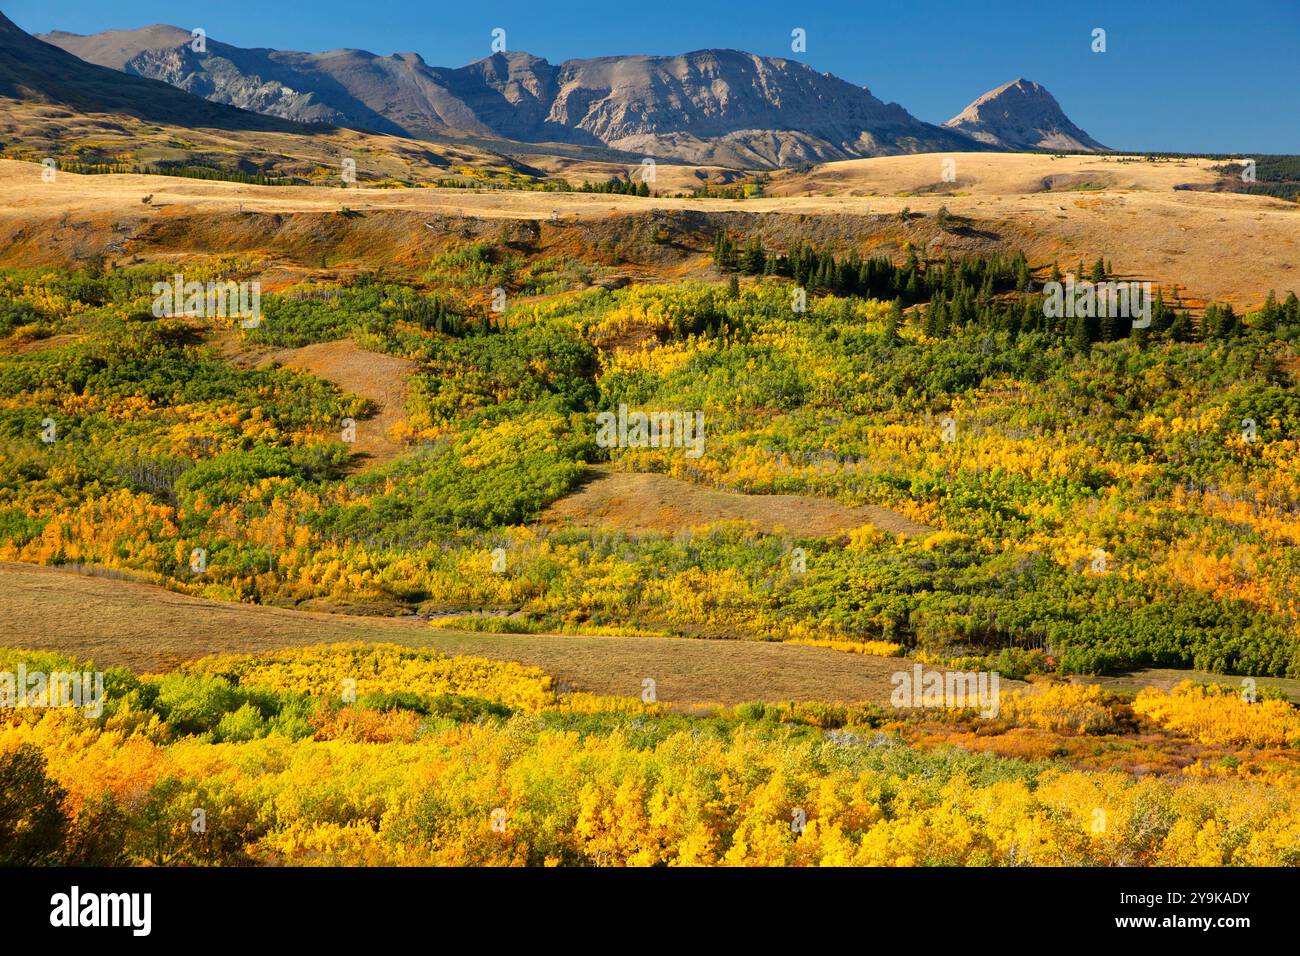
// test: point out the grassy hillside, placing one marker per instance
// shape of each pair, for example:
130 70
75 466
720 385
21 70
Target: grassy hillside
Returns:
103 614
899 458
1095 501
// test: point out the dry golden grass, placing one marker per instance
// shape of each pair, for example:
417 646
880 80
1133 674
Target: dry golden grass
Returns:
640 503
150 629
381 378
669 178
982 175
17 345
35 130
1218 245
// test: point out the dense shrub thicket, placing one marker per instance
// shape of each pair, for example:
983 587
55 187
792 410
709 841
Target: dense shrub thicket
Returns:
1099 498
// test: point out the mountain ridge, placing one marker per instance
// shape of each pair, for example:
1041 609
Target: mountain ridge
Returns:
57 107
713 106
723 107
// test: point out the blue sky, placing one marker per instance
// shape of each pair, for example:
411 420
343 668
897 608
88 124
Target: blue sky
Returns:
1191 75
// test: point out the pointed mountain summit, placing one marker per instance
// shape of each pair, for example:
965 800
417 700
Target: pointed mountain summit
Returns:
1022 115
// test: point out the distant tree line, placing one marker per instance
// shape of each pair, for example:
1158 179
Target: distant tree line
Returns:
214 173
1276 176
616 186
169 169
994 292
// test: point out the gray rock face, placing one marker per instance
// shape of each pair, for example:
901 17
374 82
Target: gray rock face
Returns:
1022 115
286 85
710 106
34 71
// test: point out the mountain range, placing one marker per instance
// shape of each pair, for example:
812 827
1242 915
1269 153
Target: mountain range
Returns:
719 107
54 105
35 72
